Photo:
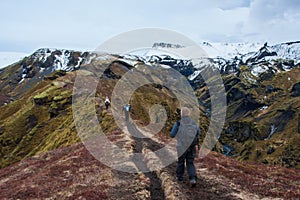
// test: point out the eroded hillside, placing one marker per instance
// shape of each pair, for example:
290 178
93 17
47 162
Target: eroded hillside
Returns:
262 121
40 143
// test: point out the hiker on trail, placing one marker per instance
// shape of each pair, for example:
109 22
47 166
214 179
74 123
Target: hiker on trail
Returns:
127 108
187 132
107 103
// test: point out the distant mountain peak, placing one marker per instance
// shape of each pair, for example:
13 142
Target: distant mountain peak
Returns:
166 45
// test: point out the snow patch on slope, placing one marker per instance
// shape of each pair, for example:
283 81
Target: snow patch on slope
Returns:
229 50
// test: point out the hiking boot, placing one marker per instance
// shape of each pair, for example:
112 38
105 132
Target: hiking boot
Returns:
193 182
180 179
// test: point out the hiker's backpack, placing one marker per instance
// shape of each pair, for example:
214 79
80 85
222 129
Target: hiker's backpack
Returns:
127 108
187 132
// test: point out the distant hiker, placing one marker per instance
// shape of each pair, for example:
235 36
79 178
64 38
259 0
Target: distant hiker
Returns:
127 108
107 103
187 132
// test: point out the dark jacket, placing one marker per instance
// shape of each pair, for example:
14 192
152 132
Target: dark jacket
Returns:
178 131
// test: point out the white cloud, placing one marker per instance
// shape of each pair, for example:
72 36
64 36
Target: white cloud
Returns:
85 24
232 4
275 21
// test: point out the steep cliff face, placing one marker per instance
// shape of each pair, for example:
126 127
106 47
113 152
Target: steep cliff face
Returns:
262 119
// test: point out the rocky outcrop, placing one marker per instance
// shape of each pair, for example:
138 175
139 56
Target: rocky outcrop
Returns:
242 131
55 75
235 94
166 45
296 90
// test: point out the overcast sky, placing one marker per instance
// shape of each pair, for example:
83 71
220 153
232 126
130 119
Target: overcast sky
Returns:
85 24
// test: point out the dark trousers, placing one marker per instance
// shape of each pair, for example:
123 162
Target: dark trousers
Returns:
126 116
107 105
188 157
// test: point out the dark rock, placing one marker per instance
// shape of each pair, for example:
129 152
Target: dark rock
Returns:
117 69
263 52
243 106
289 63
85 54
265 161
18 140
250 103
235 94
288 161
296 90
269 89
53 111
270 149
121 63
166 45
59 52
231 82
158 86
2 130
258 153
55 75
242 131
41 100
73 59
285 64
110 74
294 42
282 119
49 62
267 75
185 68
32 121
290 155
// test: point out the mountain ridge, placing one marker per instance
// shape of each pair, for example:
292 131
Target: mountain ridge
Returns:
262 121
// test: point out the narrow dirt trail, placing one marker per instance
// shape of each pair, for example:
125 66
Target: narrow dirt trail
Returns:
165 186
155 189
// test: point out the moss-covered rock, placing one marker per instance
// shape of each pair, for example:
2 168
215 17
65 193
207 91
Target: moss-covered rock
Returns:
55 75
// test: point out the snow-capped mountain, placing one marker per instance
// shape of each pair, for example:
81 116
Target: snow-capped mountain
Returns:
36 67
289 50
280 57
229 50
65 60
259 58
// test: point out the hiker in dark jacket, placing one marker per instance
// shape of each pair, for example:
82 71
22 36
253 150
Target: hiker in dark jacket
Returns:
187 132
